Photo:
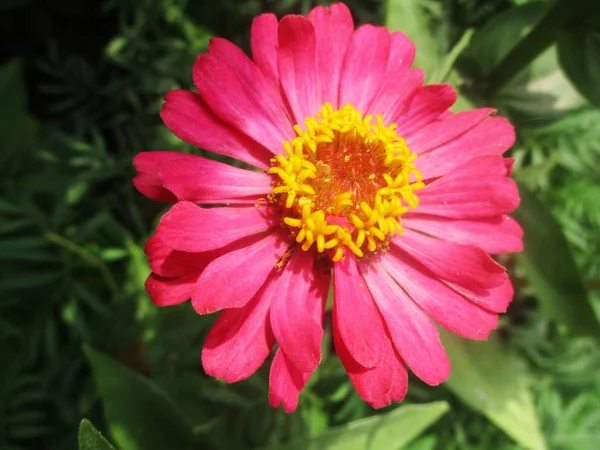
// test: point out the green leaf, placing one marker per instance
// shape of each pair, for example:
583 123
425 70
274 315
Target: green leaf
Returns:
539 93
91 439
139 414
16 126
579 53
551 269
390 431
495 382
409 17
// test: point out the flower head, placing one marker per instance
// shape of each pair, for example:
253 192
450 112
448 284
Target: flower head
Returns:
364 181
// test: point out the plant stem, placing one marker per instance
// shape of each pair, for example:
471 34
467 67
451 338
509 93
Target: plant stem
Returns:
442 74
88 257
542 36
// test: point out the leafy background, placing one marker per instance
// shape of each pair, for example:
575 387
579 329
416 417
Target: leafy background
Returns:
81 84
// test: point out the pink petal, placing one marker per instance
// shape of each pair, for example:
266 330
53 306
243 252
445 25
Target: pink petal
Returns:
189 228
293 323
263 42
364 66
166 262
188 117
249 105
462 264
414 336
402 54
478 189
334 28
286 382
374 385
170 291
201 180
231 280
493 136
355 315
297 63
498 234
443 131
448 308
426 105
396 93
400 380
495 300
146 181
241 338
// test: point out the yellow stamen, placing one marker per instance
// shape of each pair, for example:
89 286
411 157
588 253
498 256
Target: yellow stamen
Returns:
344 182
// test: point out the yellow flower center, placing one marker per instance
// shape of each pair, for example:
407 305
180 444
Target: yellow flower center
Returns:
345 182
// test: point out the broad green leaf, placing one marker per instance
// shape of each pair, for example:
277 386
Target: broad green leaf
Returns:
551 269
390 431
539 93
409 17
139 414
91 439
579 53
494 381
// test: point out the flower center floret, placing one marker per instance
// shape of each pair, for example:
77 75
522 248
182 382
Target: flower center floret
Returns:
345 182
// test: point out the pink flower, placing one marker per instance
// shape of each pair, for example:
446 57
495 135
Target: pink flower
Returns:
364 175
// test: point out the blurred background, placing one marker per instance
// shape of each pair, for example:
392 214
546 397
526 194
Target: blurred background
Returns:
81 86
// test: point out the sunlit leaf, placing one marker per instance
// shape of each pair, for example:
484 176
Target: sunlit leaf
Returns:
494 381
409 17
551 269
390 431
91 439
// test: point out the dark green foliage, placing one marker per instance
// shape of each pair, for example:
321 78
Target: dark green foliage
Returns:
81 84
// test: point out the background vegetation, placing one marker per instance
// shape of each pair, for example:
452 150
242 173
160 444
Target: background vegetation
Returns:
81 84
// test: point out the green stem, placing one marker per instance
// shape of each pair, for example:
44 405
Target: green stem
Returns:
442 74
86 256
542 36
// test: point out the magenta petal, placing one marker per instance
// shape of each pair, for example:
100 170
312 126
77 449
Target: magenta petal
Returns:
334 28
499 234
492 136
263 42
478 189
426 105
249 105
443 131
364 66
231 280
495 300
170 291
286 382
188 117
463 264
201 180
292 319
448 308
373 384
189 228
241 339
146 181
297 63
414 336
166 262
396 93
355 315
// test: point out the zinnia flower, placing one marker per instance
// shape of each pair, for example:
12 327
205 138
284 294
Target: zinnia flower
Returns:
365 182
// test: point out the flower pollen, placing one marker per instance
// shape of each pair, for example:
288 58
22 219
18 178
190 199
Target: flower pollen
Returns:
345 182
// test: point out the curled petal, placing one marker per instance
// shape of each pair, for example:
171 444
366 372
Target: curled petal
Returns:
187 227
